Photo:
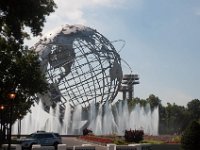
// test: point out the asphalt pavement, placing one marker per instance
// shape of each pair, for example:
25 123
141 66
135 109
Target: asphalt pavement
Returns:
73 141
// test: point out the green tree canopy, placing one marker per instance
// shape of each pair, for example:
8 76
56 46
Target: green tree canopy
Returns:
154 101
20 67
191 137
22 74
16 15
194 109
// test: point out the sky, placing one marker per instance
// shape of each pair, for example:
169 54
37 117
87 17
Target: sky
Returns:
162 40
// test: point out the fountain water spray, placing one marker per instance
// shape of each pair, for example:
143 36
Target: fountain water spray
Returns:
102 119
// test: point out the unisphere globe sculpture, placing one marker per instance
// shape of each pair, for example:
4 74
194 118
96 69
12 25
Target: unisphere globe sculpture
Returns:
81 65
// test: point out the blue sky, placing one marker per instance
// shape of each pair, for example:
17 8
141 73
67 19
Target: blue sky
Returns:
162 40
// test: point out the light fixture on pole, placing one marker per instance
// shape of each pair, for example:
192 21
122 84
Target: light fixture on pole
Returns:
1 108
1 130
11 97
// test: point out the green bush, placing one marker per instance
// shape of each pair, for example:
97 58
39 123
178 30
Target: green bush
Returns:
134 135
176 139
190 139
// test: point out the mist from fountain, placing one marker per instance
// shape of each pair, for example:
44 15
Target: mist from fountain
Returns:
97 129
109 125
38 119
118 118
93 115
66 119
77 120
123 117
101 119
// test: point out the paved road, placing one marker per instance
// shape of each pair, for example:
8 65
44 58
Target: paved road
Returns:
73 141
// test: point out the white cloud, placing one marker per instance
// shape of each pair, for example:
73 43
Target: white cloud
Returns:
109 3
72 10
68 11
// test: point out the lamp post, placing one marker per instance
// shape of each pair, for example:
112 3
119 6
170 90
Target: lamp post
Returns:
11 96
1 130
1 108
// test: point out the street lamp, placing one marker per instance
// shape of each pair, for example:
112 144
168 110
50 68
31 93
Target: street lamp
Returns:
11 96
1 130
1 108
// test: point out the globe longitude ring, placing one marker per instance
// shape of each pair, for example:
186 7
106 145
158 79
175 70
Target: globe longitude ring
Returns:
80 65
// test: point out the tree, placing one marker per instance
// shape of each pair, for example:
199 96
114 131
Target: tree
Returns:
191 137
20 67
153 101
20 73
173 119
194 109
16 15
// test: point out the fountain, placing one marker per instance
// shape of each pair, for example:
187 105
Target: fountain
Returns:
101 119
117 118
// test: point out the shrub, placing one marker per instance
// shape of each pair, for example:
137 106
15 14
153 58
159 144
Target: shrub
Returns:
190 139
134 135
86 131
176 139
